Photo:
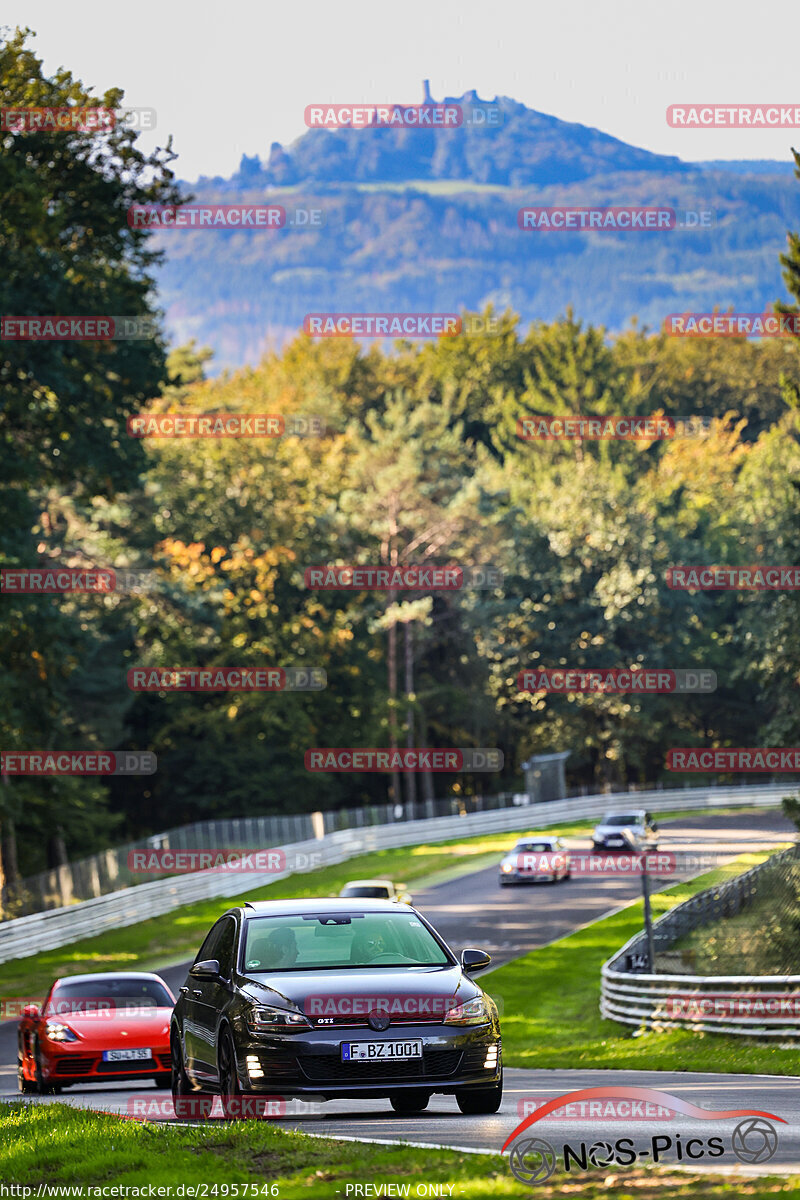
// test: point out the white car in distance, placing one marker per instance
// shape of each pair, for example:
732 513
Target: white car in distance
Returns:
376 889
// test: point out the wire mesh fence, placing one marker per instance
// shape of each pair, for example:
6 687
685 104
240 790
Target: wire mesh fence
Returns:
749 925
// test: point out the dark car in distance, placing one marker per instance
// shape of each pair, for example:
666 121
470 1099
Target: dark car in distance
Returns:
329 999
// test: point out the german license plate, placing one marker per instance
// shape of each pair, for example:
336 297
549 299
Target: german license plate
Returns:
616 842
126 1055
380 1051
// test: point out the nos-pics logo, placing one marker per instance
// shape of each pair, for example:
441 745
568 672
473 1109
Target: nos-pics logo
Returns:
533 1159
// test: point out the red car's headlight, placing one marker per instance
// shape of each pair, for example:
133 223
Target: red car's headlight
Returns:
58 1032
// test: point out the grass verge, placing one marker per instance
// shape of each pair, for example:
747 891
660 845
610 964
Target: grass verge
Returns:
58 1146
551 1003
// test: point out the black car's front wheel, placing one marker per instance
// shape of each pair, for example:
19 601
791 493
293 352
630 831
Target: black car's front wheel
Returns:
234 1101
411 1101
474 1101
186 1101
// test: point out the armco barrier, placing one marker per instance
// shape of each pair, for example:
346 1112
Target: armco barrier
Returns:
26 936
772 1005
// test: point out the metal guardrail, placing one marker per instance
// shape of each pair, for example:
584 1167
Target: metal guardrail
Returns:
109 870
26 936
763 1006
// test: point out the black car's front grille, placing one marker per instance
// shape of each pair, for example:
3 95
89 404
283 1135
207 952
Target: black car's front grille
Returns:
363 1022
74 1066
119 1068
279 1066
434 1064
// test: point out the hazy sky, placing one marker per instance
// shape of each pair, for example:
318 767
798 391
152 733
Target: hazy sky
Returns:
230 77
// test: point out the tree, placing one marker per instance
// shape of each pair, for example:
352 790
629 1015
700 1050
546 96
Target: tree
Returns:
66 249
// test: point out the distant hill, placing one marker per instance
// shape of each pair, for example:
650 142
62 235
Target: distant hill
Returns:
427 221
749 166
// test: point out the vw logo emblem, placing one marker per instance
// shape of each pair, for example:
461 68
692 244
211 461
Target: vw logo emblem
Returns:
378 1023
532 1161
754 1140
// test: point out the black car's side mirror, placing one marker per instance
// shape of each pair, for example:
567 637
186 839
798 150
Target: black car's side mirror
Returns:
473 960
207 969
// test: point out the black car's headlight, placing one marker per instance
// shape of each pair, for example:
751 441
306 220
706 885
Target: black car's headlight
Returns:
507 867
264 1018
56 1031
474 1012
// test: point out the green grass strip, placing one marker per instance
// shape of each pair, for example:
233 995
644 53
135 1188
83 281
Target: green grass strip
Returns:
58 1146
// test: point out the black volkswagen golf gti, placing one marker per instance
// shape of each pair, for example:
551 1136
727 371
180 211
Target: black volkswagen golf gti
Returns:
330 999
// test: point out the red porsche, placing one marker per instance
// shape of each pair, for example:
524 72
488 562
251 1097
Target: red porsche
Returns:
102 1028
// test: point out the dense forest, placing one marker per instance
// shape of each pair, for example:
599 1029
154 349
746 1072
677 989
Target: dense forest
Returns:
420 462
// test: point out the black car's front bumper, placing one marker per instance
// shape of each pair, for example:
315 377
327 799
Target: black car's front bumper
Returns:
311 1064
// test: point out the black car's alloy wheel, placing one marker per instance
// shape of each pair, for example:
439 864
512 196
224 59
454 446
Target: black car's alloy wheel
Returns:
474 1101
186 1101
235 1104
411 1101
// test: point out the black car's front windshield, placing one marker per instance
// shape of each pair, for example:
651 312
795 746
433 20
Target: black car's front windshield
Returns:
325 941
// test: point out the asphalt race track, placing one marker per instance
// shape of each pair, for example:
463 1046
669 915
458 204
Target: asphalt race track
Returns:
474 911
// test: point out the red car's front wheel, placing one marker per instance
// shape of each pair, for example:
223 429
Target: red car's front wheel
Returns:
26 1086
